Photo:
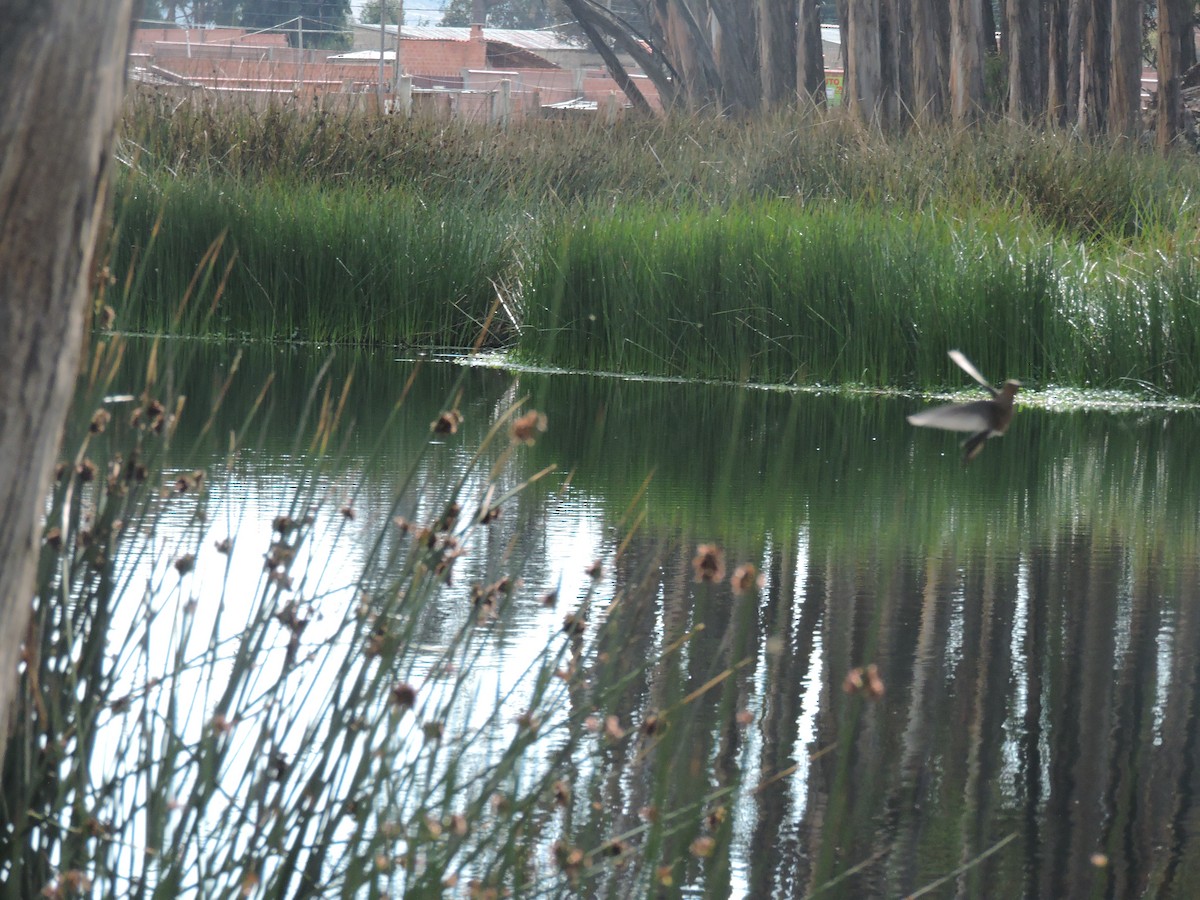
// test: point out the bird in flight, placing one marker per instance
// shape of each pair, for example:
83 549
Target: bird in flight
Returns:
983 418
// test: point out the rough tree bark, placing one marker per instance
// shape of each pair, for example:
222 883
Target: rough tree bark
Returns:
1095 70
1125 92
1077 21
735 51
810 54
62 73
860 51
1025 60
1173 18
1057 66
966 60
777 52
929 81
893 63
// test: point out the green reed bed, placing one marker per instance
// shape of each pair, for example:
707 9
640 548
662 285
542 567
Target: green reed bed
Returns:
775 292
791 248
314 264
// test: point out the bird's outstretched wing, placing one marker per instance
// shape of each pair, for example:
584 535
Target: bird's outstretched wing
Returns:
974 417
965 364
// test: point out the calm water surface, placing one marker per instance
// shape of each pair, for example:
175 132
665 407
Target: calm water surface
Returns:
1034 618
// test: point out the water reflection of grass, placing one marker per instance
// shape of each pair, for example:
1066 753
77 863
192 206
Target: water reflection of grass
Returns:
750 462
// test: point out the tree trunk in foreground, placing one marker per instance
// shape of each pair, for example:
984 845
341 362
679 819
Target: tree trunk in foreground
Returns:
966 61
1125 94
810 55
864 77
62 73
929 82
1172 17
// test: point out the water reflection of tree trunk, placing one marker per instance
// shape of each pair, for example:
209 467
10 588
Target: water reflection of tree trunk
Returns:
987 629
904 821
738 653
824 806
790 637
1037 633
1129 837
629 640
1175 769
1082 715
846 782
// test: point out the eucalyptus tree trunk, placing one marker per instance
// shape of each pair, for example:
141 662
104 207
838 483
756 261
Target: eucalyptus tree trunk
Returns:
1057 66
966 60
1095 69
1077 21
1026 59
1173 21
62 72
863 85
687 45
810 54
895 61
928 69
591 22
735 53
1125 90
777 54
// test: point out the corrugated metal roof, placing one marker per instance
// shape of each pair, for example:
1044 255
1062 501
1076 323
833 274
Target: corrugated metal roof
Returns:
526 39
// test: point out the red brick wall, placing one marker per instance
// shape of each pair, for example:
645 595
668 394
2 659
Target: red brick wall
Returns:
442 57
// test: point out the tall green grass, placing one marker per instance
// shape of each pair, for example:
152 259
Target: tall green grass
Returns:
307 263
793 248
776 292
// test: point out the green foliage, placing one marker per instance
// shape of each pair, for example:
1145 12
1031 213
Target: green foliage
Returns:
371 10
323 23
508 13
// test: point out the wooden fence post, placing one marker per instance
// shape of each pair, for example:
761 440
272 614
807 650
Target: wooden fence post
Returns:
502 103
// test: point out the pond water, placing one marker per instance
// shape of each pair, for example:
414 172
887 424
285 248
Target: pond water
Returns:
1034 618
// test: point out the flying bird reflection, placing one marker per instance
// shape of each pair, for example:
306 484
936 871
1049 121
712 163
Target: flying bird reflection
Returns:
983 418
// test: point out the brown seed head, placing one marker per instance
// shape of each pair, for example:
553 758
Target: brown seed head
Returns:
709 563
745 578
573 624
100 420
525 427
447 422
403 696
562 794
652 725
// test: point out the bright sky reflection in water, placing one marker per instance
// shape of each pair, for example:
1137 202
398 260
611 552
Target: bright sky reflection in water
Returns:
1032 616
